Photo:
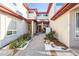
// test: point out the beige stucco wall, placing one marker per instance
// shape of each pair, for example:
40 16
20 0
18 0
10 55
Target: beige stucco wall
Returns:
61 26
19 7
5 21
32 15
74 40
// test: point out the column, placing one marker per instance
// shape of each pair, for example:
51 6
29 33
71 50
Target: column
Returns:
32 23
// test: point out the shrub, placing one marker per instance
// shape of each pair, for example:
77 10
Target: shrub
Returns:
50 35
24 36
12 45
28 36
19 41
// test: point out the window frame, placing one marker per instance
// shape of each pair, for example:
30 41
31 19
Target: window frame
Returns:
76 29
13 30
76 21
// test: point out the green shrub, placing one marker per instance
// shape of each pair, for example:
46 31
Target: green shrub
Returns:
50 35
19 41
28 36
12 45
24 36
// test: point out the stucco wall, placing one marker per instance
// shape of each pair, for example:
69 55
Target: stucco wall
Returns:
32 15
61 26
21 28
74 40
19 7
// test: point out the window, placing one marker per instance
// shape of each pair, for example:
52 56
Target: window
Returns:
11 32
45 14
42 15
77 21
12 28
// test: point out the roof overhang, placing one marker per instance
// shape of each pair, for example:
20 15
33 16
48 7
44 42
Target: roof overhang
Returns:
29 8
63 10
49 7
8 11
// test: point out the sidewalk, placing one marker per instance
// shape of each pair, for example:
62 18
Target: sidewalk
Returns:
35 48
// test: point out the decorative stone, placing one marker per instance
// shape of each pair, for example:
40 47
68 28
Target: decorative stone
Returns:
52 44
47 41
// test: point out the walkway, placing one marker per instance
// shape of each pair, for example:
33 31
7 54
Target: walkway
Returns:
35 48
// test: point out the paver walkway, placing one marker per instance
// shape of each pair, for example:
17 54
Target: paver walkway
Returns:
35 48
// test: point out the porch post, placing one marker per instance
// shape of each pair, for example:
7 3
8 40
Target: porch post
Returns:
32 23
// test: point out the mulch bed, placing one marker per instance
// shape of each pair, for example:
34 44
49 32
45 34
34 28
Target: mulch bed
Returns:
58 43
